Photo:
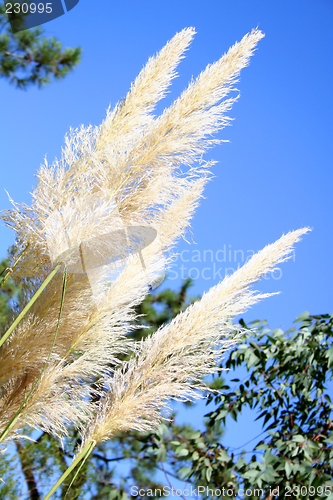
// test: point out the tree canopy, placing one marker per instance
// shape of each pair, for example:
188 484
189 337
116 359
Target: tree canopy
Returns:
286 386
29 58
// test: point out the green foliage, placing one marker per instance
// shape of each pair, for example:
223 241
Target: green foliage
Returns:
286 384
28 58
160 308
9 489
46 459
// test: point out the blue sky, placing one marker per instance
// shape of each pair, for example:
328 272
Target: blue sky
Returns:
274 175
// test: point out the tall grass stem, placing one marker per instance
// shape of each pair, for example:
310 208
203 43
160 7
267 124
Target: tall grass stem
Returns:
83 455
29 305
17 414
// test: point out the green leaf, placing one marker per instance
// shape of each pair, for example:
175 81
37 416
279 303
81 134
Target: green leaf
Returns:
291 330
184 472
195 435
250 474
288 468
181 452
223 456
252 360
262 446
329 355
302 317
299 438
269 474
258 322
222 414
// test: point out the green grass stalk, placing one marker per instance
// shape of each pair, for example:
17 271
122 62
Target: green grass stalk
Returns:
17 414
83 455
11 269
29 304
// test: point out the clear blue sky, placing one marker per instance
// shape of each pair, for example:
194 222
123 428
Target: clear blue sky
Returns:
274 175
